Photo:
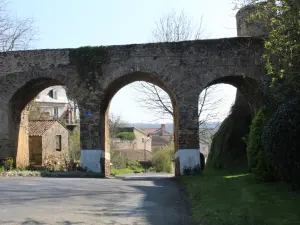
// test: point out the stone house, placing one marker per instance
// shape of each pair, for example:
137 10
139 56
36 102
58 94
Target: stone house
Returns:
139 149
47 137
160 136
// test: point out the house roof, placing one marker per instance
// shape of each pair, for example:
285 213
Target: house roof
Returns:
39 127
150 130
153 131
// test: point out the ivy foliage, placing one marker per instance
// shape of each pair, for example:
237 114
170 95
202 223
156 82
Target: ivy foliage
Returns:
228 149
281 141
282 44
126 136
258 162
89 61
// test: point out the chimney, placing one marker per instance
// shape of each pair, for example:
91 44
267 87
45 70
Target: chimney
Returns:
163 129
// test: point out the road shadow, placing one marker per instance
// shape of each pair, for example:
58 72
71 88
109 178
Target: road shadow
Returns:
161 201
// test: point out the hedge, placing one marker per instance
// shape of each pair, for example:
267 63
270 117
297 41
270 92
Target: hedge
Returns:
258 162
281 141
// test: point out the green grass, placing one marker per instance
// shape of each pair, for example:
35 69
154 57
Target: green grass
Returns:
126 171
121 171
220 198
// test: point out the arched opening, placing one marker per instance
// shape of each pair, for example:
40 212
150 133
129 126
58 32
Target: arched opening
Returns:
225 146
143 143
42 122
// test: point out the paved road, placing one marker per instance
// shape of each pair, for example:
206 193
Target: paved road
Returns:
133 200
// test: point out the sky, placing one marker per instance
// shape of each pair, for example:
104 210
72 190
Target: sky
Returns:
75 23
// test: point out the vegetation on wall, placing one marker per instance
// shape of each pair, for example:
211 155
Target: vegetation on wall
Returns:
89 61
282 44
228 149
258 162
272 145
126 136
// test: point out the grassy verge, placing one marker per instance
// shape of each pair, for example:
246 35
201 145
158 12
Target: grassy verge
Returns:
70 174
124 171
220 198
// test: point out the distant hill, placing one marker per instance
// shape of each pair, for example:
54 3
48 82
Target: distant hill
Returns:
169 126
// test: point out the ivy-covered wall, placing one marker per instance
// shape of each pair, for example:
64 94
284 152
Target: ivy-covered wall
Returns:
228 149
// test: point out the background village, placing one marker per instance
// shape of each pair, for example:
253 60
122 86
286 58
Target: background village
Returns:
54 137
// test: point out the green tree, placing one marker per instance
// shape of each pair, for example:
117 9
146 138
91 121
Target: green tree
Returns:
162 159
282 43
74 144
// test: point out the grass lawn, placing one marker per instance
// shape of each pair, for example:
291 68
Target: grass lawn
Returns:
121 171
220 198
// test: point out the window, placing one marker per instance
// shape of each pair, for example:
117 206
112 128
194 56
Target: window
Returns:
58 142
55 113
53 94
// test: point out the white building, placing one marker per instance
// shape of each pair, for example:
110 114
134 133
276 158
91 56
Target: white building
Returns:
53 103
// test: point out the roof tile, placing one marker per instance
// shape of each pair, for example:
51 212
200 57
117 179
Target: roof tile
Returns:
39 127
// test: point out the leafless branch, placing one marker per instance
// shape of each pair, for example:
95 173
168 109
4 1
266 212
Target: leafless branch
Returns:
174 27
15 34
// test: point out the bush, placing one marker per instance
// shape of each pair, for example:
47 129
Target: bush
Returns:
258 162
282 143
118 161
74 144
56 163
135 166
161 161
8 163
126 136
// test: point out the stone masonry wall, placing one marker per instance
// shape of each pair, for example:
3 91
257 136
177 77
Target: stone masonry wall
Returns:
183 69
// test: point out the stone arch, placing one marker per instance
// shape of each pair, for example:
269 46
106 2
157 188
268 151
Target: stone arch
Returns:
111 90
249 87
228 149
20 90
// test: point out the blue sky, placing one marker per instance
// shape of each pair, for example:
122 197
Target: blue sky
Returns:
75 23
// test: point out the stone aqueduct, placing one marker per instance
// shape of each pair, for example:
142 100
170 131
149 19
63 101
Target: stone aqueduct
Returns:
182 69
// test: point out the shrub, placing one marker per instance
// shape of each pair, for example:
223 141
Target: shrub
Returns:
118 161
135 166
74 144
161 161
56 163
126 136
8 163
258 162
282 143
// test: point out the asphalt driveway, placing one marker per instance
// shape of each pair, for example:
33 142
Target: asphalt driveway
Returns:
141 199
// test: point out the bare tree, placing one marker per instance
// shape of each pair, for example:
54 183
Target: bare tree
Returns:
175 27
15 34
115 123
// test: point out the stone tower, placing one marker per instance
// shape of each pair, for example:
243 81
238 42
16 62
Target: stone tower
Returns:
246 28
